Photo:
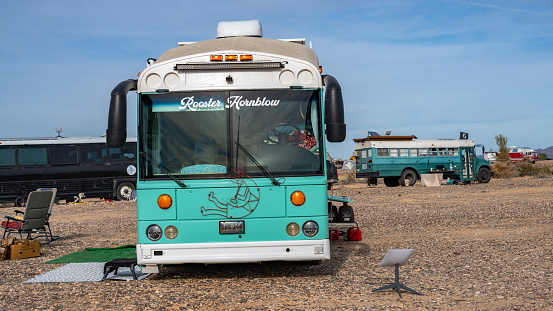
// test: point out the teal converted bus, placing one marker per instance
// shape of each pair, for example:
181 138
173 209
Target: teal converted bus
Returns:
231 140
401 160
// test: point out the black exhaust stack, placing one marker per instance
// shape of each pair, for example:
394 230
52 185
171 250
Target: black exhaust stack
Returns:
116 133
334 110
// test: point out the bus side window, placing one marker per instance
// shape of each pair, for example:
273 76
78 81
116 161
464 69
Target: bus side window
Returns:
115 154
7 157
423 152
382 152
394 152
63 155
32 156
442 152
124 154
453 151
403 152
433 152
93 154
414 152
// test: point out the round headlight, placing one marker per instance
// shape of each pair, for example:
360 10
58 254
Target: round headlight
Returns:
164 201
171 232
297 198
293 229
154 232
310 228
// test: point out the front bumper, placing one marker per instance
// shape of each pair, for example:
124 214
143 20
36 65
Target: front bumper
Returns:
233 252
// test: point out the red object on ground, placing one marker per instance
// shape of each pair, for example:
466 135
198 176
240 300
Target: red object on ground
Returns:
354 234
333 234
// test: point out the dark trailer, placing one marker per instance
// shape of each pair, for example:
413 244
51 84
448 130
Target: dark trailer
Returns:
73 165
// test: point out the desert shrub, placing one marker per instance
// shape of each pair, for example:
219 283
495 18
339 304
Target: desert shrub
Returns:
507 169
504 169
347 177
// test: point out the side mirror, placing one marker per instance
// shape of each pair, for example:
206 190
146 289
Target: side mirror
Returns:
116 133
334 110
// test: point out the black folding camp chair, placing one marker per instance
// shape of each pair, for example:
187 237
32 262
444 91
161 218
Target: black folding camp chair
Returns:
35 218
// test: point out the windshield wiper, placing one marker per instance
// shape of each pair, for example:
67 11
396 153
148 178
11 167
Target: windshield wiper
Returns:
163 168
273 180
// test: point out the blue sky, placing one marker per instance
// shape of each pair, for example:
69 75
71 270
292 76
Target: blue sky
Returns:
429 68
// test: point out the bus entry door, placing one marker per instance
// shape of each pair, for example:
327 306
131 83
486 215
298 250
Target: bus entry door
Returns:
467 163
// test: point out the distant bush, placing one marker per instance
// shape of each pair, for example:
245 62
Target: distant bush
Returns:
507 169
504 169
346 177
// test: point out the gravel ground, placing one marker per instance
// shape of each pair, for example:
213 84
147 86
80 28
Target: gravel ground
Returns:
478 246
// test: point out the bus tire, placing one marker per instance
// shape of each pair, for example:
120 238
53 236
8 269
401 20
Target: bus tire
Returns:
408 178
484 175
391 181
124 190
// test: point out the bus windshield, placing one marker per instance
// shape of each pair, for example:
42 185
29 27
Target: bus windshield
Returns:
214 133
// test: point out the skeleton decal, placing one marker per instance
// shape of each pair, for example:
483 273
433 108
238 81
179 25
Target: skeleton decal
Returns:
244 202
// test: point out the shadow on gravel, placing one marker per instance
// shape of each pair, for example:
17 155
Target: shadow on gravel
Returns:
72 237
244 270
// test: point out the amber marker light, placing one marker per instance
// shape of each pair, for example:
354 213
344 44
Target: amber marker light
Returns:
321 69
246 57
216 58
231 57
297 198
164 201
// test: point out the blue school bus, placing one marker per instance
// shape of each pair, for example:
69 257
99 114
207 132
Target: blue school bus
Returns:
401 160
231 140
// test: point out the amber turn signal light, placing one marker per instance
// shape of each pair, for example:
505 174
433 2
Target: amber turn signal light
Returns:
164 201
297 198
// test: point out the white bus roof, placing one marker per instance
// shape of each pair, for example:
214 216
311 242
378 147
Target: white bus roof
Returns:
56 141
250 44
415 143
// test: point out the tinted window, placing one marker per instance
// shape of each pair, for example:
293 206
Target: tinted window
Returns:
32 156
7 157
125 154
63 155
279 129
94 154
217 132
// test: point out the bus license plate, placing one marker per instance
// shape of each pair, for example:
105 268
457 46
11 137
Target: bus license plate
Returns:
232 227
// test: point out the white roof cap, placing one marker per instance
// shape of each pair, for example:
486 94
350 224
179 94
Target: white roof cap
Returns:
239 29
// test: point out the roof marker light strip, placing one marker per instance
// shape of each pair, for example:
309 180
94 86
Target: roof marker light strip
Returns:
219 66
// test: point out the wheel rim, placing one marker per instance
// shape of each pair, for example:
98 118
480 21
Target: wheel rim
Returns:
484 175
126 192
409 178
